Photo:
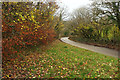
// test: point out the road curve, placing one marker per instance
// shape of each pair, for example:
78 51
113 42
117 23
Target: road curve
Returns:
102 50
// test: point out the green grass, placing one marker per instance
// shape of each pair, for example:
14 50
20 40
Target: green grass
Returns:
65 61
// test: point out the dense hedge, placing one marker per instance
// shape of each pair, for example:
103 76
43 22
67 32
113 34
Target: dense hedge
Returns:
26 24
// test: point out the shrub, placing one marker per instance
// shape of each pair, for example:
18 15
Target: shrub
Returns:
22 27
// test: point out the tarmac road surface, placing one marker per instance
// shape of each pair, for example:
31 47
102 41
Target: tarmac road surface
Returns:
102 50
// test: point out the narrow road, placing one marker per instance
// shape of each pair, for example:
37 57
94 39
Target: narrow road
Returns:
102 50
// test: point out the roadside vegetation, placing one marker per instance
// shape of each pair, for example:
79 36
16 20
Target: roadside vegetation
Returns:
27 25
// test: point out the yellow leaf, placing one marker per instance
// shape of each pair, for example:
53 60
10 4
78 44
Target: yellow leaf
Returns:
88 76
40 38
17 13
7 75
59 66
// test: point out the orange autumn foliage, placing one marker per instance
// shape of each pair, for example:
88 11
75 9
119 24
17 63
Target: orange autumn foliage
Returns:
22 27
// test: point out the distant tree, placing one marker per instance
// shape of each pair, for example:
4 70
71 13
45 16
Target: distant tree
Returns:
60 15
109 8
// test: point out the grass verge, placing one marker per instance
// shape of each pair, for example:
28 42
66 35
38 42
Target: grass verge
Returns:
62 60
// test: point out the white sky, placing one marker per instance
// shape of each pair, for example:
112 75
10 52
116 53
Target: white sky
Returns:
74 4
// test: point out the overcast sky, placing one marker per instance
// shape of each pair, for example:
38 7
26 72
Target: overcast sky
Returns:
74 4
